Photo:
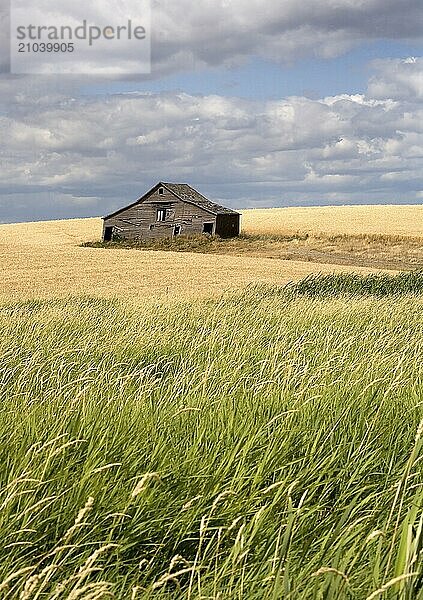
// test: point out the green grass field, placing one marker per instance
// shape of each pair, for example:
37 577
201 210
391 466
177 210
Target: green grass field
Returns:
263 445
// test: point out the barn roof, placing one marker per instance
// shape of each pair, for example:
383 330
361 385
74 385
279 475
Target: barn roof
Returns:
189 194
186 193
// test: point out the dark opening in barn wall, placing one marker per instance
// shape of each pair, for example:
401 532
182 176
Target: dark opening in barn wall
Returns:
108 234
208 228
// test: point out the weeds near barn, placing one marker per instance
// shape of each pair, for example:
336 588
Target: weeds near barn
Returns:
197 243
264 445
378 251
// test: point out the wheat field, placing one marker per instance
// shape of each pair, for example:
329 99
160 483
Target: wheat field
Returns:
44 260
386 220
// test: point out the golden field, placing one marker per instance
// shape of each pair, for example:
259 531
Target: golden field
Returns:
44 259
393 220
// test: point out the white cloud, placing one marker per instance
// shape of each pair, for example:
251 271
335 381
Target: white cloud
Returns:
225 32
398 79
59 148
244 152
188 35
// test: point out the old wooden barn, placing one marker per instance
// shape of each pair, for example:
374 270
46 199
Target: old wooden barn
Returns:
171 209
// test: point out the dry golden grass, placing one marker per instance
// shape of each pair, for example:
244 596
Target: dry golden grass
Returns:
49 234
391 220
44 260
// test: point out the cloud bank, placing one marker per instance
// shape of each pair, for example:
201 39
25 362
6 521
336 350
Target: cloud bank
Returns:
228 31
96 153
190 35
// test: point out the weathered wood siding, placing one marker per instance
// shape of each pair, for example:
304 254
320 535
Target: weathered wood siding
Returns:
139 222
228 225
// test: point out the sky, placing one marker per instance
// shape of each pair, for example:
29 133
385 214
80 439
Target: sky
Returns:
254 103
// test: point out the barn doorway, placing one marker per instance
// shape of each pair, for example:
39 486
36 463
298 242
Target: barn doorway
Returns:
108 234
177 230
208 228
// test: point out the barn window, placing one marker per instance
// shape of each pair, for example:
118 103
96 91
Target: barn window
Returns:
161 191
161 214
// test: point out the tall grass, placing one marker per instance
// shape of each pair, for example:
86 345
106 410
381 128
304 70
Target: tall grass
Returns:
259 446
353 284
